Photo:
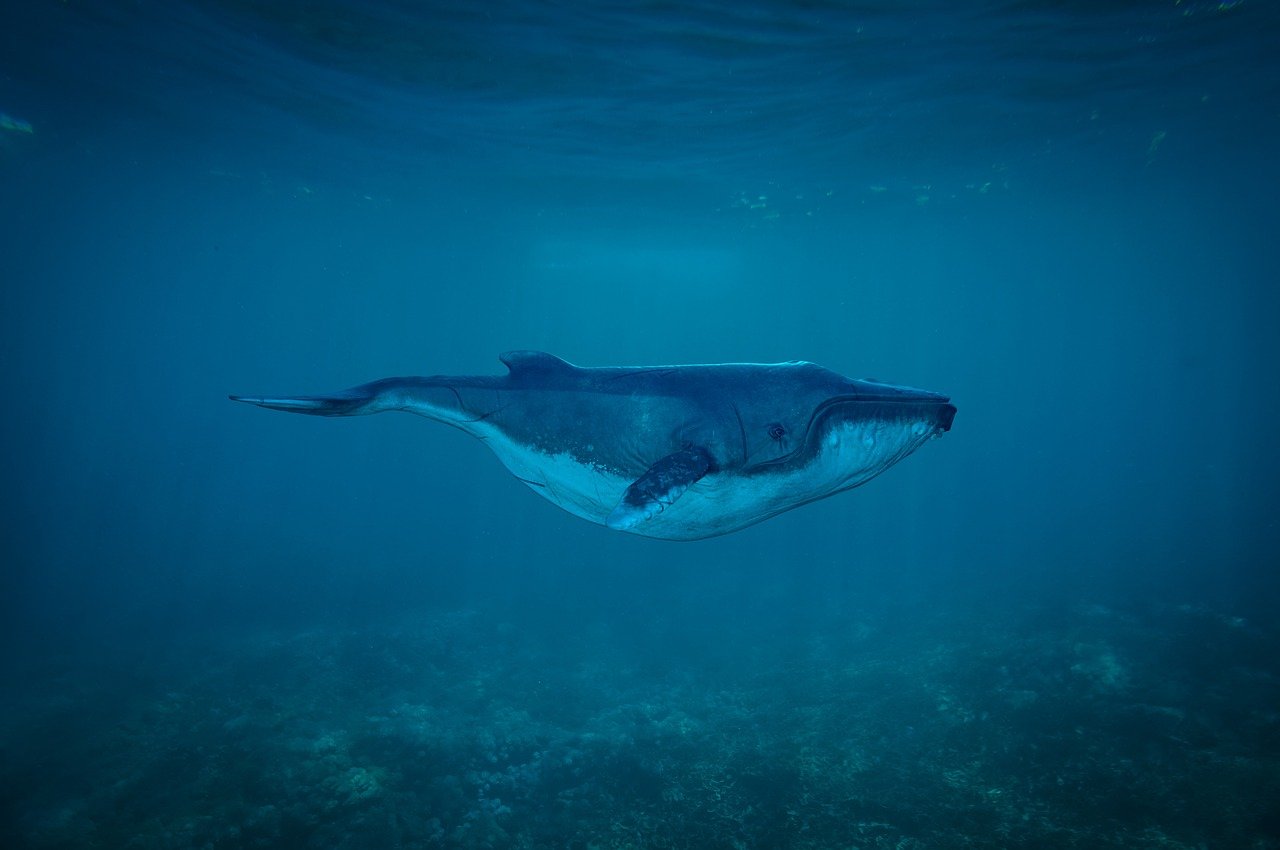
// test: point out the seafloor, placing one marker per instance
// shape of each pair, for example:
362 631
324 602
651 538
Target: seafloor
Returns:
1088 728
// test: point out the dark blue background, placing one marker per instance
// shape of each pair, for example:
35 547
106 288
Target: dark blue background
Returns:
1062 215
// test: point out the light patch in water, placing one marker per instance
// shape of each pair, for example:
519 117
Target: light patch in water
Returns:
652 265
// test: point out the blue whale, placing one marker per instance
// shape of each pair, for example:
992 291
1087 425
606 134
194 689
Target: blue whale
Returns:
672 452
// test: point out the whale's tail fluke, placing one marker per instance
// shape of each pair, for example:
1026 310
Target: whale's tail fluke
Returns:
443 399
331 405
375 397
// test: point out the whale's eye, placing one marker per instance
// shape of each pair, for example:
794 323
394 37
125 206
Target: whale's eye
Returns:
776 431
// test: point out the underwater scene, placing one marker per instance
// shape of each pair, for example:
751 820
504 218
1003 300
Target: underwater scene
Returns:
834 425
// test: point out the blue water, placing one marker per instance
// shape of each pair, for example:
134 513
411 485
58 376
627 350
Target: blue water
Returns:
228 628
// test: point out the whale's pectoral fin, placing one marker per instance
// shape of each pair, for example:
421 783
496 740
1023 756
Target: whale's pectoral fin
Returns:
659 487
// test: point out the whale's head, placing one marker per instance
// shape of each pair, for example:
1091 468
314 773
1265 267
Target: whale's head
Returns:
835 433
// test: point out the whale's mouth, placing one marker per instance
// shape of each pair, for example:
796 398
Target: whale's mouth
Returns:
909 408
945 416
889 403
928 405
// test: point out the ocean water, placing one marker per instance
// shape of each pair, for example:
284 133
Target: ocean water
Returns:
230 628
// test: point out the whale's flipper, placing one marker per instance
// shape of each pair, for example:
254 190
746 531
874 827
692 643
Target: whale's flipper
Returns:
659 487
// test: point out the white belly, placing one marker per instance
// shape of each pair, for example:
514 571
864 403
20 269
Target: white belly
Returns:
851 454
581 489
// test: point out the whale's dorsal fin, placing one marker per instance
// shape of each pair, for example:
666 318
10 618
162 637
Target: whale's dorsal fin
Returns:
656 490
527 362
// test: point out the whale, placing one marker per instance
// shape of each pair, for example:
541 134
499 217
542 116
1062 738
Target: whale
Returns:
670 452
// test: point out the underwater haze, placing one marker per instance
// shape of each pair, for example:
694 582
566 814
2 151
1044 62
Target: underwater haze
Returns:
224 627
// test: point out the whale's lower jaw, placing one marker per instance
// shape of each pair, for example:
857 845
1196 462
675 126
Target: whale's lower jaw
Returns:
725 501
